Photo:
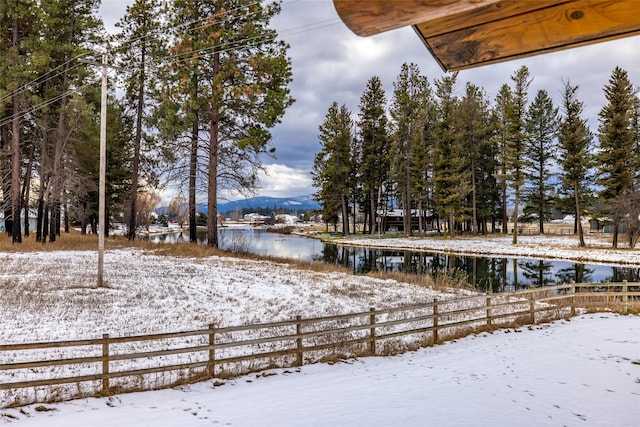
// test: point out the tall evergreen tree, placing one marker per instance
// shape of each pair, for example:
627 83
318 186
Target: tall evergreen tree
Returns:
451 178
575 152
70 30
374 136
635 128
18 26
409 107
540 147
141 45
332 166
242 75
615 158
501 114
517 136
475 133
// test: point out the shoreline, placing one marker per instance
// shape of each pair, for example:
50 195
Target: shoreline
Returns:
597 251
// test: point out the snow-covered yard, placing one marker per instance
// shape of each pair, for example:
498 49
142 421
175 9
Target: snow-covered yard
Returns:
49 296
585 372
556 374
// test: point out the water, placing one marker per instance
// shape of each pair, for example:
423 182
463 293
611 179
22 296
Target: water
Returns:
495 273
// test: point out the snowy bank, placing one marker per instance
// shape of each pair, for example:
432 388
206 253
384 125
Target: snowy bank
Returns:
583 372
598 248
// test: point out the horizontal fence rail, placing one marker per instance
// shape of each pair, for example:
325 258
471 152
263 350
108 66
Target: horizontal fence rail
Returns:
52 371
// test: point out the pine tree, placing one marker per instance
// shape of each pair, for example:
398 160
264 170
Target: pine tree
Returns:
501 119
141 46
475 132
451 177
635 128
69 31
615 158
575 152
242 74
332 166
540 147
374 162
409 112
516 139
18 26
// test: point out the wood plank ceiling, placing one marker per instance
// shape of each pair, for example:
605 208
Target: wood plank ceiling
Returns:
469 33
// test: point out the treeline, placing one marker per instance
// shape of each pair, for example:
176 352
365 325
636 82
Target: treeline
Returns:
199 85
465 159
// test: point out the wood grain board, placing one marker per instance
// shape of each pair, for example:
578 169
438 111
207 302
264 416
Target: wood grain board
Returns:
468 33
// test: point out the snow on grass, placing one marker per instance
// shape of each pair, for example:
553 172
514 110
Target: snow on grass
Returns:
53 295
583 372
538 246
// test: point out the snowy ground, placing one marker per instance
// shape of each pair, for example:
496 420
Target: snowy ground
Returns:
598 248
50 296
552 375
585 372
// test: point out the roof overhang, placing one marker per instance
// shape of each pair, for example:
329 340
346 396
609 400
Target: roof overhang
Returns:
468 33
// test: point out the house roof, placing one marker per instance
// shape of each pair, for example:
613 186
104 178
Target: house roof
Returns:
468 33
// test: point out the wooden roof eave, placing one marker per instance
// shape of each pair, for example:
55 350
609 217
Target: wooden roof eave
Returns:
478 32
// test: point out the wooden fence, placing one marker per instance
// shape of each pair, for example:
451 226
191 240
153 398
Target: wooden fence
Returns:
51 371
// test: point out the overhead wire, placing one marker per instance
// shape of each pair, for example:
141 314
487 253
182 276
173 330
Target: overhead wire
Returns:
31 109
225 47
35 81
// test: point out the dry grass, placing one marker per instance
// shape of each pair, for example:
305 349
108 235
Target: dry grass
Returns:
445 281
89 242
66 242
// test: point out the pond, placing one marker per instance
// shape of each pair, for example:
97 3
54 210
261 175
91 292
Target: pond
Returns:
496 273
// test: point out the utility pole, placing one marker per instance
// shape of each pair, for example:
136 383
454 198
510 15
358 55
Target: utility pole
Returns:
103 172
103 167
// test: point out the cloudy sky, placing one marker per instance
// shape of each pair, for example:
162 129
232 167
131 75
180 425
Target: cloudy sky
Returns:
330 63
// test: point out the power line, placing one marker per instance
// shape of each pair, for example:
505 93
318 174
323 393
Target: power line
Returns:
35 81
225 47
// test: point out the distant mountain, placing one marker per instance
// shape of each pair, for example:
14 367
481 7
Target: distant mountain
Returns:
301 203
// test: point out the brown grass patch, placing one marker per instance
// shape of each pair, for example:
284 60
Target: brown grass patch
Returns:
75 241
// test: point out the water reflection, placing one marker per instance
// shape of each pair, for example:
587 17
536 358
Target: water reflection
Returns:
497 273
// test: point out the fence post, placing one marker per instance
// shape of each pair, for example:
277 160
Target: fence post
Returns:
573 298
372 332
212 351
299 360
105 364
532 309
489 310
625 298
435 321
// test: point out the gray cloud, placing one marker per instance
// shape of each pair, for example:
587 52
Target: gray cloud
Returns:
330 63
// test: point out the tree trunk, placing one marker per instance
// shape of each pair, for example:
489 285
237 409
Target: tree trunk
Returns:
193 169
372 209
407 207
56 176
505 216
26 190
135 166
193 163
212 193
345 215
542 204
515 217
16 235
451 224
474 203
43 184
576 196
